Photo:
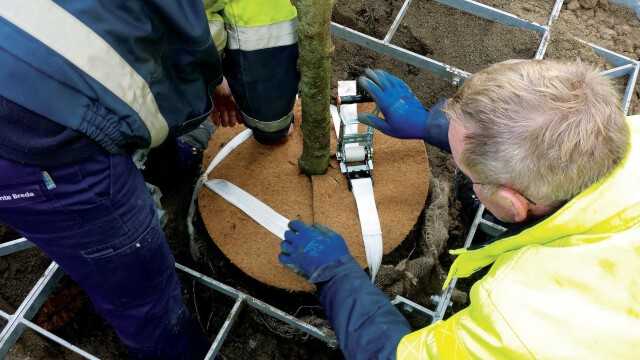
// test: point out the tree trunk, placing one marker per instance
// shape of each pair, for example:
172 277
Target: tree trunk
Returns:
315 86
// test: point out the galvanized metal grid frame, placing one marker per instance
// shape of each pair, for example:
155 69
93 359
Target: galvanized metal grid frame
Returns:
21 319
623 67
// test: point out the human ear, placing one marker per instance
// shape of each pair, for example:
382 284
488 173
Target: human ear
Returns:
514 203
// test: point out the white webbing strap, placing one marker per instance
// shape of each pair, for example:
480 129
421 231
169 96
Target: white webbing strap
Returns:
369 222
277 224
362 188
250 205
226 150
348 112
221 155
335 118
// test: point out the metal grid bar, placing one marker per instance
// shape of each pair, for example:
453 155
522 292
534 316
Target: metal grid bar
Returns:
631 84
214 284
45 285
620 71
448 72
544 43
58 340
445 298
631 71
396 22
14 246
612 57
555 12
546 37
29 307
624 67
226 328
410 306
497 227
259 305
492 14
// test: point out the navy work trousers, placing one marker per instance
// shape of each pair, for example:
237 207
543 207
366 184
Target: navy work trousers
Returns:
96 219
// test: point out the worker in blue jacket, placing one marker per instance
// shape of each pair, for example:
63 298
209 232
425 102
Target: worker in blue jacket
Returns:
84 84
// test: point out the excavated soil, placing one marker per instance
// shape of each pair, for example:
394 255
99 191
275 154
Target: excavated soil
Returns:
430 29
600 22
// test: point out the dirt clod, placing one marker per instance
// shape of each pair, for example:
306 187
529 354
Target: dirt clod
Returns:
588 4
573 5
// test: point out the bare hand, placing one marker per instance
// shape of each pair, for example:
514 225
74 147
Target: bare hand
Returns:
225 112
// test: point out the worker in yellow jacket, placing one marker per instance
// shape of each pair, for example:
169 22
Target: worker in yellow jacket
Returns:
544 142
258 44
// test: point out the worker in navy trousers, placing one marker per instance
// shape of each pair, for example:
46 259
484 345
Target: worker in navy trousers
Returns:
84 84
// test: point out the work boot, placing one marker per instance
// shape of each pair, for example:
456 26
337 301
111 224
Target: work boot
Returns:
279 137
191 146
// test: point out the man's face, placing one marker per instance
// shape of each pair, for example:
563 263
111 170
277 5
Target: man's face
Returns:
498 205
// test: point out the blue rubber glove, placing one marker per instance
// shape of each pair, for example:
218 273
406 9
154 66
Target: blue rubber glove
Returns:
312 251
404 115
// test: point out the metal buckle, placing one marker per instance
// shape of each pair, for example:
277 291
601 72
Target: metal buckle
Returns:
355 152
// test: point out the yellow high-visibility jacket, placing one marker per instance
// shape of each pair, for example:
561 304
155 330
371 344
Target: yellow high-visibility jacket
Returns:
566 288
258 40
251 24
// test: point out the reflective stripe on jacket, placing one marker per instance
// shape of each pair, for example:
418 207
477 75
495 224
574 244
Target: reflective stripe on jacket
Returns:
255 24
567 288
124 73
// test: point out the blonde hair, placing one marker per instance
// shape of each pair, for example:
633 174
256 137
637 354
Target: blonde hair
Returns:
547 129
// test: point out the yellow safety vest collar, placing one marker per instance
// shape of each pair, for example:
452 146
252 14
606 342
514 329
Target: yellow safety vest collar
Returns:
610 205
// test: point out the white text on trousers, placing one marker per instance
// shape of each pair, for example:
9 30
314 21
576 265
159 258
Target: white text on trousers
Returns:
25 195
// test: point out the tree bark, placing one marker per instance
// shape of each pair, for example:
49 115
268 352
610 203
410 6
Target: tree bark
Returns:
315 45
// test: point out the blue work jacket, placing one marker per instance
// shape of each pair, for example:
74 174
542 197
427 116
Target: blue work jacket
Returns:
124 73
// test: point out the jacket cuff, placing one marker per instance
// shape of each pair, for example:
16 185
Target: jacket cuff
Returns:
103 127
327 272
437 133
